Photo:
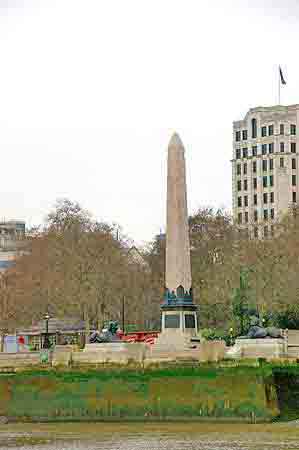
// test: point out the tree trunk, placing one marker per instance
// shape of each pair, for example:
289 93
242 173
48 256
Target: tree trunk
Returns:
87 325
242 324
2 336
99 318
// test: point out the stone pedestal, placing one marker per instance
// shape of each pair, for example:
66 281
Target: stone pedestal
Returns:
257 348
62 355
179 324
181 319
211 351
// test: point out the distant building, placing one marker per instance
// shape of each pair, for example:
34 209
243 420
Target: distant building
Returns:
68 330
135 257
265 167
12 236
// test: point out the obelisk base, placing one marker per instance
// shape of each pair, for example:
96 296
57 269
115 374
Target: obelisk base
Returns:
179 319
179 324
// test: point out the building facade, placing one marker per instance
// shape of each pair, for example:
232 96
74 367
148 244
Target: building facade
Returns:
265 174
12 236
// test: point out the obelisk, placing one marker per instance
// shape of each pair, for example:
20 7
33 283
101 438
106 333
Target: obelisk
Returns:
178 266
178 309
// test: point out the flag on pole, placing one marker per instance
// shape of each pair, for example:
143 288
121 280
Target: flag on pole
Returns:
282 80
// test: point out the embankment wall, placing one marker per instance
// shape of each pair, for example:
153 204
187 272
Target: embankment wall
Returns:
123 394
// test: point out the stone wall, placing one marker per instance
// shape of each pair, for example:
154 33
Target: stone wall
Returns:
114 352
13 360
211 351
123 353
292 341
257 348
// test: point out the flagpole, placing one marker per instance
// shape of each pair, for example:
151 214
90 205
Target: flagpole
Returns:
278 86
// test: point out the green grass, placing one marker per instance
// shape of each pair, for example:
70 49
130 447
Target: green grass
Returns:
204 371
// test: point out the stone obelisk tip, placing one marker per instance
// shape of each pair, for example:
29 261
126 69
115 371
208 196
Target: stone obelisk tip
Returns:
175 141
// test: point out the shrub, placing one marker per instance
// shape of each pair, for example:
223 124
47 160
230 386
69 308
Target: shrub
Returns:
216 335
289 318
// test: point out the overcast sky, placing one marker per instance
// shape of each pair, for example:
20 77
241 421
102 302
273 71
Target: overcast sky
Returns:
91 91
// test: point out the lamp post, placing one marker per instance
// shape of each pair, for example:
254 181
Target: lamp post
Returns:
123 314
47 343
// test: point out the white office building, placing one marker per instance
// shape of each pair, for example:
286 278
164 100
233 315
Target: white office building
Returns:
265 167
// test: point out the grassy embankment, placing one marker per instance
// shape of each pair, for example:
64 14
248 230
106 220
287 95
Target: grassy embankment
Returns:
206 393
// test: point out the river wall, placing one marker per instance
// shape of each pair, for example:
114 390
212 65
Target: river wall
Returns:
203 393
286 382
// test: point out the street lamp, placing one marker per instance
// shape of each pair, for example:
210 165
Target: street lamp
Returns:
47 343
123 314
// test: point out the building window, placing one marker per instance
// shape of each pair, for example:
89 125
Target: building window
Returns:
265 214
294 197
253 128
293 163
254 150
271 130
264 165
189 321
244 135
255 199
238 136
255 215
282 147
239 202
281 129
265 232
245 200
239 187
172 321
246 217
256 232
271 147
293 180
265 198
245 168
271 164
240 218
238 169
245 185
293 147
271 197
264 131
272 213
271 180
254 167
245 152
264 149
281 162
254 183
293 129
265 182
